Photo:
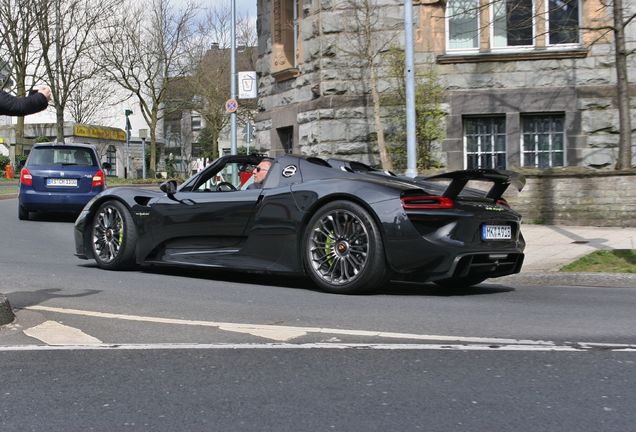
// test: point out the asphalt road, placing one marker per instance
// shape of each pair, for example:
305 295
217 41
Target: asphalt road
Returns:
170 350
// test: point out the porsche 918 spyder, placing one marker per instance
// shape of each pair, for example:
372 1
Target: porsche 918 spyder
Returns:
347 226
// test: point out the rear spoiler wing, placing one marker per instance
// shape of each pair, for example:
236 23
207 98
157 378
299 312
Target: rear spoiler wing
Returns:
501 180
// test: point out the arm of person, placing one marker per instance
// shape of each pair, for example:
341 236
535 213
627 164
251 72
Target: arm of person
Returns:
35 102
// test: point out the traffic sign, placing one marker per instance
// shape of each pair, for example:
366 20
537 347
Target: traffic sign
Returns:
247 85
231 105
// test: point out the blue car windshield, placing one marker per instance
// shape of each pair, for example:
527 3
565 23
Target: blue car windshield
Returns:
62 156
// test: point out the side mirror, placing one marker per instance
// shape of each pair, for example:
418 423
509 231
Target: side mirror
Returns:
21 163
169 187
107 166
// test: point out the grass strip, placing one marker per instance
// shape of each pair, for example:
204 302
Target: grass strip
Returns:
605 261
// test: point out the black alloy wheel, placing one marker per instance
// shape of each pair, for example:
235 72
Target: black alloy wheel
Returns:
113 236
343 250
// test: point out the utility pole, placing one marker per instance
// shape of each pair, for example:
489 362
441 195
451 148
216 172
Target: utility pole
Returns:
127 169
233 79
411 148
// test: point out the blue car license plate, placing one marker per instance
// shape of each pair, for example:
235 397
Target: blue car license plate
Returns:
496 232
63 182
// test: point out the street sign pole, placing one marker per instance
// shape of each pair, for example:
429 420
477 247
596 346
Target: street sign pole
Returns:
233 79
411 148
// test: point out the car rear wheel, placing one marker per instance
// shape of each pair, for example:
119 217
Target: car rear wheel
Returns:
113 236
460 282
23 213
343 250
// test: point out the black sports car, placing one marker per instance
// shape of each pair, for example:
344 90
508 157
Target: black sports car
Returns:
347 226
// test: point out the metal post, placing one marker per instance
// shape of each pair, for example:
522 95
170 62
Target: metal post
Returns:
411 149
127 168
143 134
233 78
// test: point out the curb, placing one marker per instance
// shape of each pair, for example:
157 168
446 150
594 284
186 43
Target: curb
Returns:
6 313
604 280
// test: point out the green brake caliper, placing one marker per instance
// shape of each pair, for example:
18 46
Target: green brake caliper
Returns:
328 248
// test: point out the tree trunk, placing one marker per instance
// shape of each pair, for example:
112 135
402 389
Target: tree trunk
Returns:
19 128
385 157
622 85
59 115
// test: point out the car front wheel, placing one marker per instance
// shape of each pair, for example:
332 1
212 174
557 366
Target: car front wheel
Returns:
113 236
343 249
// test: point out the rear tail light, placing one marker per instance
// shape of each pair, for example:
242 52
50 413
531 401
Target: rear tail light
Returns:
426 202
25 177
503 202
98 179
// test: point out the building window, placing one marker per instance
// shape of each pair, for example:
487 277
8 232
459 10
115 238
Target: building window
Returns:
111 158
520 24
512 23
485 142
543 143
195 119
563 22
463 24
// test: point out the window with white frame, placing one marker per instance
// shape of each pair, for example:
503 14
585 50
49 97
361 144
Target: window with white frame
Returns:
512 24
485 142
543 144
462 24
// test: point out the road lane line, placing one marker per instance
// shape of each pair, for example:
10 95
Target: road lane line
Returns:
54 333
340 346
290 332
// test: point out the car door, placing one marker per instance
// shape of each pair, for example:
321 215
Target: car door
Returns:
206 222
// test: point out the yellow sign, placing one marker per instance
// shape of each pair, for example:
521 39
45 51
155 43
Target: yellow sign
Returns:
100 132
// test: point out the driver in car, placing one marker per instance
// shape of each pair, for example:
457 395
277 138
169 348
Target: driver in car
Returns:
260 172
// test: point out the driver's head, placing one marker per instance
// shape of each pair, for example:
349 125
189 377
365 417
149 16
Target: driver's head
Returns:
260 172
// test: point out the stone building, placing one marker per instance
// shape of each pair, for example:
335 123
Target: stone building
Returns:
527 82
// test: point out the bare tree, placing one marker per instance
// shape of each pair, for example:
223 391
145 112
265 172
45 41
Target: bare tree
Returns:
67 32
92 101
367 40
621 19
18 47
209 79
142 48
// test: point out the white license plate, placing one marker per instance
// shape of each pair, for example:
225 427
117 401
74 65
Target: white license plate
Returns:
61 182
496 232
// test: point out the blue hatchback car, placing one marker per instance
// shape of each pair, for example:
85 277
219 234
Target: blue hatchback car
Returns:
59 178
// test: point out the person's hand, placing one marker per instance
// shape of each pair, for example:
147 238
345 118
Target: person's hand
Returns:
46 91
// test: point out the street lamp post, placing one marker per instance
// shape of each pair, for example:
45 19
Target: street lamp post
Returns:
127 169
143 134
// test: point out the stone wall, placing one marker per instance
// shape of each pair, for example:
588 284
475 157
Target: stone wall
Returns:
596 198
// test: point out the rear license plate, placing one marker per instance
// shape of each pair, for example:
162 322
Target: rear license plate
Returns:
496 232
61 182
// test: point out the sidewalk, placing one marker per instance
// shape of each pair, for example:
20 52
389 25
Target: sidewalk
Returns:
550 247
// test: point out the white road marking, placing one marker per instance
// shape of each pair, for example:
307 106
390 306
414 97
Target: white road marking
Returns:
284 333
54 333
341 346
